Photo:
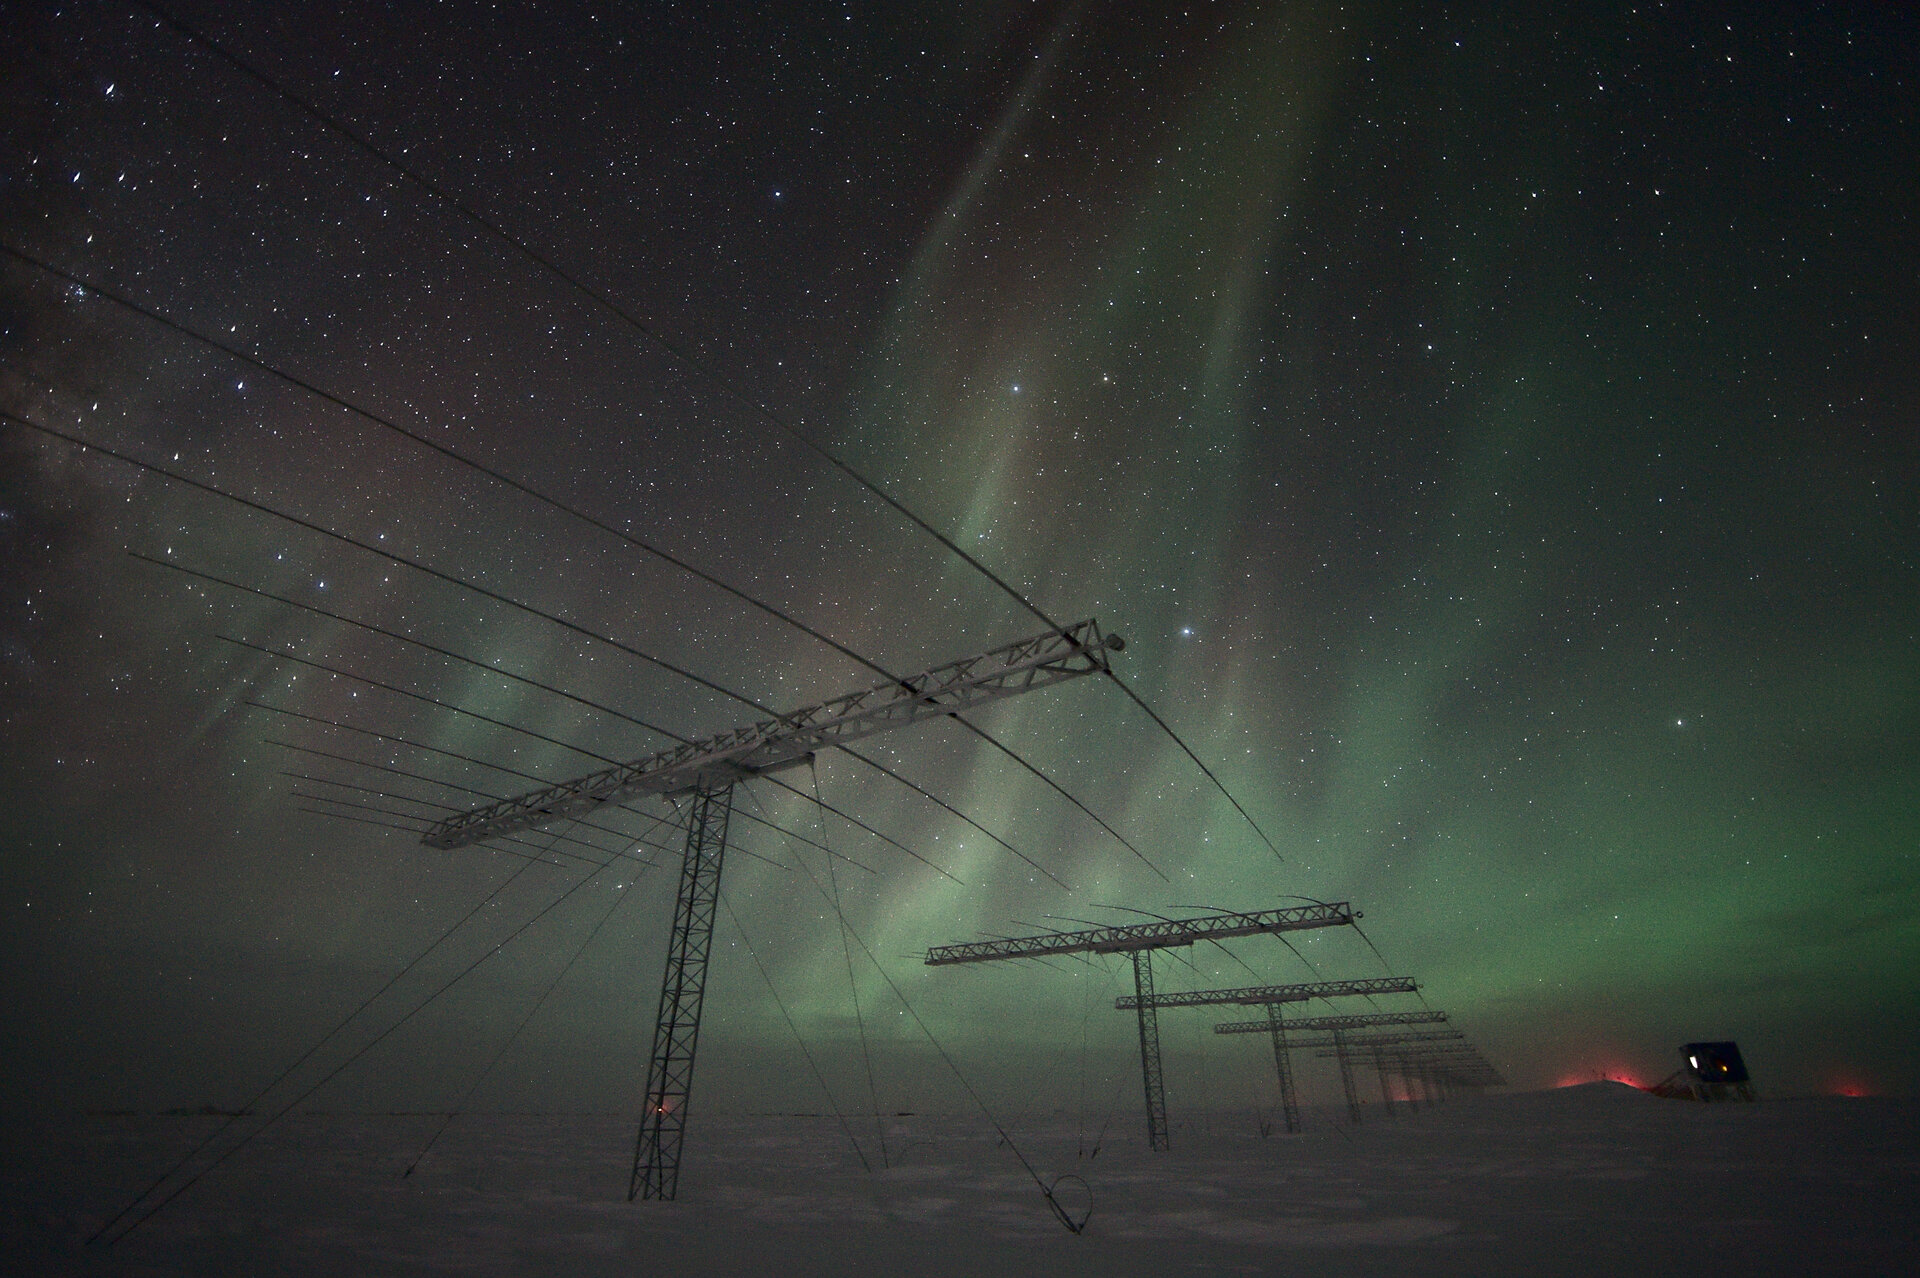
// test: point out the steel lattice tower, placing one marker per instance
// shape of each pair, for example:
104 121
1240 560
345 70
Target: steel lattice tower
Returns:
1150 1074
1139 940
676 1031
1346 1076
1268 996
707 771
1380 1071
1282 1053
1283 1066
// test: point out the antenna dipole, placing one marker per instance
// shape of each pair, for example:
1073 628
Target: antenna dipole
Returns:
1319 1024
788 740
707 770
1140 940
1262 994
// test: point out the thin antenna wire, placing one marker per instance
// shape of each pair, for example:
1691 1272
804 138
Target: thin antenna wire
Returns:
507 838
995 743
433 445
484 592
337 1070
460 710
853 985
1217 783
1278 936
881 767
787 1016
510 602
1388 968
359 807
401 741
402 638
600 300
372 549
366 789
545 857
416 745
519 1029
323 1040
1046 1190
591 846
281 655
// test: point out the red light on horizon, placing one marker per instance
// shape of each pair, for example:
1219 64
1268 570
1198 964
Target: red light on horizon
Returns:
1601 1076
1837 1083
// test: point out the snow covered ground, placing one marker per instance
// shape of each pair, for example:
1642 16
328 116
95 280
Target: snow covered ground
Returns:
1597 1179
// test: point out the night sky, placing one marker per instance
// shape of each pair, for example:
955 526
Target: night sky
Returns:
1494 431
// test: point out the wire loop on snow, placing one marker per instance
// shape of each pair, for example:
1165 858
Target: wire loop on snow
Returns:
1074 1225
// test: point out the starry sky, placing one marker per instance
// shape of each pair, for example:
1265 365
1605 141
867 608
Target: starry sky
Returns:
1493 429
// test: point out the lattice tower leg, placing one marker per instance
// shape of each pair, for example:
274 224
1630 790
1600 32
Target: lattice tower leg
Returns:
1283 1066
1150 1051
1386 1092
676 1030
1346 1076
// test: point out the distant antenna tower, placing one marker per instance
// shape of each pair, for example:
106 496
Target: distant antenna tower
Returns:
1440 1069
1344 1047
1289 1102
705 772
1271 997
1138 941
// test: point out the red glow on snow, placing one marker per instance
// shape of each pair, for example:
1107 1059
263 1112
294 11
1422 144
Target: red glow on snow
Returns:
1607 1074
1845 1080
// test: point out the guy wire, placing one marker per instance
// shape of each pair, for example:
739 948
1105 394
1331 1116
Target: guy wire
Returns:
853 985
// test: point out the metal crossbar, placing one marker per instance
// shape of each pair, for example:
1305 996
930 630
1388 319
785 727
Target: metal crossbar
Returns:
1317 1023
1164 934
787 740
1367 1041
1279 993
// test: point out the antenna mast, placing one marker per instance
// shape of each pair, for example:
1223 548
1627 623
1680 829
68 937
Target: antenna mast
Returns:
1139 941
706 771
